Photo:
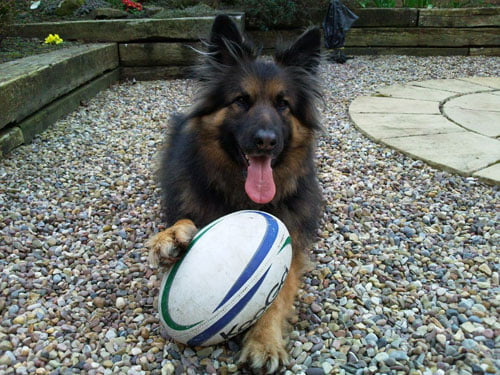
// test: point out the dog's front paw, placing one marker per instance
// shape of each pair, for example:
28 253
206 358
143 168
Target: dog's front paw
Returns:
264 350
166 246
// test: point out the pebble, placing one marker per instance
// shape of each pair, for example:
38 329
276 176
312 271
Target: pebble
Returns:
407 254
382 357
121 303
327 368
469 344
168 369
399 355
20 319
468 327
6 360
99 302
485 269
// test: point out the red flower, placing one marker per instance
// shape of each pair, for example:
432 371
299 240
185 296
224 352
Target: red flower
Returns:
129 4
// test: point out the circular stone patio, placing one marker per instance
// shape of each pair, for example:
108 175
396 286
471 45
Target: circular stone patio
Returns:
453 124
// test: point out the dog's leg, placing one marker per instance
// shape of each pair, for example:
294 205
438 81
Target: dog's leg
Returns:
264 344
165 246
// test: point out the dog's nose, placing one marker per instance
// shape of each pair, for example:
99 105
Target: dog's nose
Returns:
265 140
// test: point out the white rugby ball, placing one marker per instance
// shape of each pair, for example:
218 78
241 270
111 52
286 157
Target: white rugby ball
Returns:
228 277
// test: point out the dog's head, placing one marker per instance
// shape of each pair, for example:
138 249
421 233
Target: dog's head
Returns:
261 113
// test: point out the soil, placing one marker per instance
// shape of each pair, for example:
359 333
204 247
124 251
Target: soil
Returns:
13 48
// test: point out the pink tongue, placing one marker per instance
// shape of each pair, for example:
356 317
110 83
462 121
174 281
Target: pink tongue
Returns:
260 184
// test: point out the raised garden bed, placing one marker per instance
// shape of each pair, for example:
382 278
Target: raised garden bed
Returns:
148 48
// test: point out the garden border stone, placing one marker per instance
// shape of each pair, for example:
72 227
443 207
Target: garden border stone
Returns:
459 17
420 32
36 81
129 30
157 54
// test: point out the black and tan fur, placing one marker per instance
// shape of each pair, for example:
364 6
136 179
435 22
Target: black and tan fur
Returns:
247 106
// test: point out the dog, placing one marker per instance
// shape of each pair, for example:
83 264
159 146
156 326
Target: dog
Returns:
247 143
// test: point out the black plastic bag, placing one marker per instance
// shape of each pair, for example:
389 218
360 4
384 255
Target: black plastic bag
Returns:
337 22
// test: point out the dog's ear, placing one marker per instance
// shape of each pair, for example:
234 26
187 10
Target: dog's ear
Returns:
227 45
305 52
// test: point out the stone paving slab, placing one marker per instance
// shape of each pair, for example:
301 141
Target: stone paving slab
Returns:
493 82
477 112
490 174
482 122
414 92
483 101
457 128
463 152
393 105
452 85
387 125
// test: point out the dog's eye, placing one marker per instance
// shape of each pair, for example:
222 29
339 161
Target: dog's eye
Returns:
243 101
281 104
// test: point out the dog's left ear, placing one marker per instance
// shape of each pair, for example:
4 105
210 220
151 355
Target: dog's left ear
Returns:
227 45
305 52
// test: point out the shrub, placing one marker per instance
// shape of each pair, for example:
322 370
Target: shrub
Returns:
377 3
49 6
268 14
6 15
89 5
273 14
417 3
197 10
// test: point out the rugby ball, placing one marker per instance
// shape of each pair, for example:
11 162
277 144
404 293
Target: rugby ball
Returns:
230 274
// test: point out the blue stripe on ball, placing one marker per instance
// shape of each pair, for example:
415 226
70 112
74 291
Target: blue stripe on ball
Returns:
222 322
264 247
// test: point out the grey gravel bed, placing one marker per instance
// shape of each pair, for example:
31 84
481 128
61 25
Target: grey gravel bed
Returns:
406 279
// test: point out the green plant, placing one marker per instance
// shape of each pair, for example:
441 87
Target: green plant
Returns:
269 13
377 3
465 3
197 10
48 6
6 15
417 3
90 5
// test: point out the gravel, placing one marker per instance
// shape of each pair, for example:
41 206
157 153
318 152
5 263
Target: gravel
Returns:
407 268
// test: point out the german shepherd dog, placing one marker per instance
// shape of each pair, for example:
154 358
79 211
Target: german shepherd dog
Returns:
247 143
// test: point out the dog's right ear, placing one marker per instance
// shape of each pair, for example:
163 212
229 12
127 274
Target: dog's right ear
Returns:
305 52
227 45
